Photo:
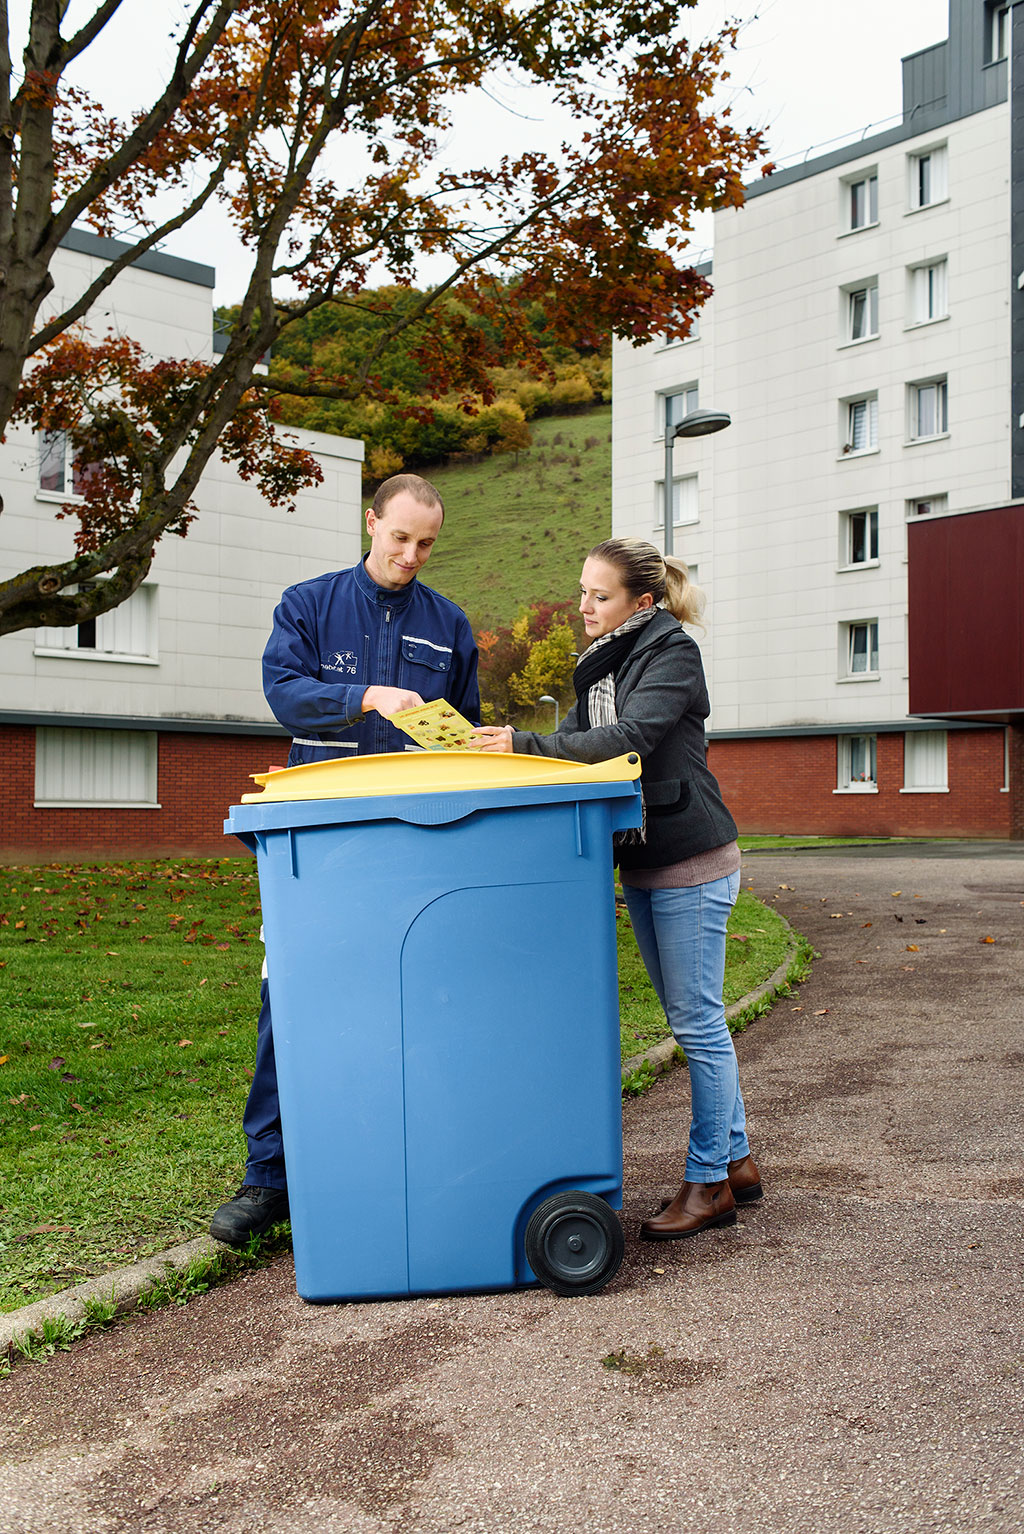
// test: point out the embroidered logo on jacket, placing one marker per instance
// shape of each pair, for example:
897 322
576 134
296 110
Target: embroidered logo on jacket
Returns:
340 660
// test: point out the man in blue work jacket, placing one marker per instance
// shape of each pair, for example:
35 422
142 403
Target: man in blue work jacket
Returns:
347 651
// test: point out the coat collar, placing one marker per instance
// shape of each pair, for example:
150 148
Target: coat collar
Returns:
661 627
368 586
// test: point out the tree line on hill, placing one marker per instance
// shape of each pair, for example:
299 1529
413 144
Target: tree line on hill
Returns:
402 421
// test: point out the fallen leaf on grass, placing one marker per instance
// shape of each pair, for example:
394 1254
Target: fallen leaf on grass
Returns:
184 1043
4 1059
56 1063
18 925
734 937
77 1106
87 1025
42 1230
228 945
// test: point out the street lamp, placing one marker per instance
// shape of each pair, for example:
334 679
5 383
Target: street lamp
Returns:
696 423
547 698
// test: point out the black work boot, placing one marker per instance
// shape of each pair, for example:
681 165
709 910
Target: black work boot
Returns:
252 1211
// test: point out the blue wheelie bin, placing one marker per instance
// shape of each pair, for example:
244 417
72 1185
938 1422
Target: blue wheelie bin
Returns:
441 955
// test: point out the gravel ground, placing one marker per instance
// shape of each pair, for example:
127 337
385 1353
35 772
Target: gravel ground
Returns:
849 1357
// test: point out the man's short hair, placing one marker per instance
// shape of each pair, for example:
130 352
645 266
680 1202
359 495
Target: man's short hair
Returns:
410 484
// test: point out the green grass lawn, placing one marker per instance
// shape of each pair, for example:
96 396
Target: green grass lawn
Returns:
757 843
128 1002
518 526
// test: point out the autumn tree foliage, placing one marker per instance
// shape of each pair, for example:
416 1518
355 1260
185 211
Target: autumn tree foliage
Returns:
522 661
318 124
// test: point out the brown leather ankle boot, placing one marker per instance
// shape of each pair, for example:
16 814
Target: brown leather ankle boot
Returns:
697 1206
745 1180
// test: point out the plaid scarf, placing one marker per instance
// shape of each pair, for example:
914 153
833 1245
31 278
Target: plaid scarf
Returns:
594 681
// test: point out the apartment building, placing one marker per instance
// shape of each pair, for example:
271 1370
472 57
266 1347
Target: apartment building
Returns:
131 735
861 337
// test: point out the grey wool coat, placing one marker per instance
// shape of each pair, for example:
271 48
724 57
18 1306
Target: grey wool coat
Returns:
661 699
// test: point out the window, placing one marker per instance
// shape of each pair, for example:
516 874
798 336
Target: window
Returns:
861 200
928 292
114 768
677 404
694 335
928 178
684 501
60 475
125 633
927 506
859 648
924 762
927 410
860 425
997 26
858 537
860 318
858 764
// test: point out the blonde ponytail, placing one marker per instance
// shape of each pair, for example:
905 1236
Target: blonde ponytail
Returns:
682 598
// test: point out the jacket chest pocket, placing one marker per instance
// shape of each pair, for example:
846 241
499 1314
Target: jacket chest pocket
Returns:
425 663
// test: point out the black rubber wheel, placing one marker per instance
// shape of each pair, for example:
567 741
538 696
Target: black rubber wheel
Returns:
574 1243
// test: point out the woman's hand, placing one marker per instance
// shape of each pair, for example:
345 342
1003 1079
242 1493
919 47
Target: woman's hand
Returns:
492 737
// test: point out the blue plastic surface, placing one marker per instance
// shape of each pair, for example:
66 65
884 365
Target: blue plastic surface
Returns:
444 989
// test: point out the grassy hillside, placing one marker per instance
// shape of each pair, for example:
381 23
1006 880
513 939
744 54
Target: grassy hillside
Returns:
517 527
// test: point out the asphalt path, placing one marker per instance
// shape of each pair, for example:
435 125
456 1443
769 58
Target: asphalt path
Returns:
849 1357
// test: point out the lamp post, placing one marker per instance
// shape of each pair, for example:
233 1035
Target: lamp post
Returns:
697 423
547 698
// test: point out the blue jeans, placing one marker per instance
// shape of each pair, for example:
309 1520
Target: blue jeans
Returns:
681 937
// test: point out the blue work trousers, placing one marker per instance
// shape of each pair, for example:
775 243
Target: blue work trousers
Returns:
262 1118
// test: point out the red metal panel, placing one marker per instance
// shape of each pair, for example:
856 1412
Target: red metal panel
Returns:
966 614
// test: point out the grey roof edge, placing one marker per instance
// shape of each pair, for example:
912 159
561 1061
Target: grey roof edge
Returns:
865 727
143 722
911 127
88 244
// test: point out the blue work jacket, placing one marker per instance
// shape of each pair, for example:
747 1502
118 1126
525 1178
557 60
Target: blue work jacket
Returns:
338 634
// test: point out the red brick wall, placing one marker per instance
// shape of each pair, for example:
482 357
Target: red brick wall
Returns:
1016 775
785 786
198 778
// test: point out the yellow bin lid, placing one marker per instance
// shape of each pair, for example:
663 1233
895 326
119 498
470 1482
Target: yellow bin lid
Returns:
433 772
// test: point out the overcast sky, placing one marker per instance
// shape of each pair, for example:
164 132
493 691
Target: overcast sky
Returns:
807 71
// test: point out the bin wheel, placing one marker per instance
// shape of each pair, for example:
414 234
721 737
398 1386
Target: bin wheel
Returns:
574 1243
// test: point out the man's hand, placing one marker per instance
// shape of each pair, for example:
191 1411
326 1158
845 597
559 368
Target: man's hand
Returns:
389 700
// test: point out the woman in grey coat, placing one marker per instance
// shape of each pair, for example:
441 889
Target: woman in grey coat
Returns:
640 687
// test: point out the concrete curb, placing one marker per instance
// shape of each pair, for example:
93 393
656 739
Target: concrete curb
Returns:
124 1285
662 1057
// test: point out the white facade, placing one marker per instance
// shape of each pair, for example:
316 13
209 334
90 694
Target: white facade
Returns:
188 645
851 410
